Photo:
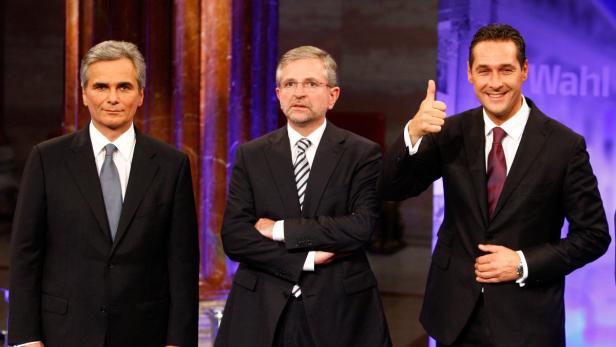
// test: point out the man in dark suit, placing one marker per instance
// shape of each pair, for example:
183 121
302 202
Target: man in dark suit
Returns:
302 204
511 176
104 242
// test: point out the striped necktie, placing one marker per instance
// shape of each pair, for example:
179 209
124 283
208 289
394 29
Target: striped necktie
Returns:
302 171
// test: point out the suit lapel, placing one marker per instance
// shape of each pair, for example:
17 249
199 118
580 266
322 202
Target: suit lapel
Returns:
82 166
325 161
142 171
474 144
533 139
278 158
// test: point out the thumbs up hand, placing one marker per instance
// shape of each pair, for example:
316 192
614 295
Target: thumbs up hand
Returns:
429 118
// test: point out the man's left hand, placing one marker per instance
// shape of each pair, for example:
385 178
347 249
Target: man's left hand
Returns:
266 227
500 265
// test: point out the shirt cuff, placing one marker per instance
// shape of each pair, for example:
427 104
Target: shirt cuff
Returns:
407 140
278 232
522 280
309 263
27 344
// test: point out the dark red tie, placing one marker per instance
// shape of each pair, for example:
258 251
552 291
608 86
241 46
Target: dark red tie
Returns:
497 169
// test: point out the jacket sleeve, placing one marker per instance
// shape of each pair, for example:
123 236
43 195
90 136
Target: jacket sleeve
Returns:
183 263
242 242
406 176
27 254
588 237
352 230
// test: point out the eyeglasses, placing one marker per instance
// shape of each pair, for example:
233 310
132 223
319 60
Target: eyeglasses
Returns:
309 85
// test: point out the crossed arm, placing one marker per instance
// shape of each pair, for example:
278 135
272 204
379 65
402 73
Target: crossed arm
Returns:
248 238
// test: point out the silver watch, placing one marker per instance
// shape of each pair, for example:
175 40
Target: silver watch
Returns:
520 270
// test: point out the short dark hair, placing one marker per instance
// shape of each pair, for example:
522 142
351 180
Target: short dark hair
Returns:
499 32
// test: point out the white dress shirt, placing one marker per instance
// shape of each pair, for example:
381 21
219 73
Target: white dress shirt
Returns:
514 128
315 139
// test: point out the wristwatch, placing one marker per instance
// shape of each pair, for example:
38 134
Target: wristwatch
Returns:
520 270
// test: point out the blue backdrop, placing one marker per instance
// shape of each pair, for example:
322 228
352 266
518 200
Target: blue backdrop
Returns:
571 48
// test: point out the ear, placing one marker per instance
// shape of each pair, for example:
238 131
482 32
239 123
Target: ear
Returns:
278 93
141 93
334 93
469 74
83 96
525 70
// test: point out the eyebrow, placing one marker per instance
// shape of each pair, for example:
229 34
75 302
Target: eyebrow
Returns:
484 66
308 79
106 84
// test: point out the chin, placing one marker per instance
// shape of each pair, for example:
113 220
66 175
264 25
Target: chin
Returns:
116 126
500 113
301 120
496 108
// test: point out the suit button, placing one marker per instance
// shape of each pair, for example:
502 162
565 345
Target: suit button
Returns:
111 265
103 309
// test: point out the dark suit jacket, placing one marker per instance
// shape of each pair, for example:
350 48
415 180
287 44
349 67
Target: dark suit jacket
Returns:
341 299
70 284
550 180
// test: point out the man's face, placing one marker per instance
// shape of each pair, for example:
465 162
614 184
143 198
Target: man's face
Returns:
303 105
112 95
497 77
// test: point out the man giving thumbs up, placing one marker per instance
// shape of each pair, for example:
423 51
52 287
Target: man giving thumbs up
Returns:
511 176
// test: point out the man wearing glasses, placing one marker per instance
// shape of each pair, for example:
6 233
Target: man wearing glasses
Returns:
302 204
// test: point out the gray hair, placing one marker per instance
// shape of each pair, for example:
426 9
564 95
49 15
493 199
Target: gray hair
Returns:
113 50
309 52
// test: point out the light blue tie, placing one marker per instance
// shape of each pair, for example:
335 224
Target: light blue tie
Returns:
112 190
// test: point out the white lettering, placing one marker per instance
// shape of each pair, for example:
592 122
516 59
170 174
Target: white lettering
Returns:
552 80
569 84
544 79
585 77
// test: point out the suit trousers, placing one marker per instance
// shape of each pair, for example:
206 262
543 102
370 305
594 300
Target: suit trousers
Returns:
477 331
293 329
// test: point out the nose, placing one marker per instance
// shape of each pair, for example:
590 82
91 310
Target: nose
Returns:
113 96
300 90
495 81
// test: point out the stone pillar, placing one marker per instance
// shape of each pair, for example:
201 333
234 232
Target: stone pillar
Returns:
215 69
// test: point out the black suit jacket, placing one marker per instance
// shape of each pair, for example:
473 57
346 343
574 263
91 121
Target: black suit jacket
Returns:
341 299
70 284
550 180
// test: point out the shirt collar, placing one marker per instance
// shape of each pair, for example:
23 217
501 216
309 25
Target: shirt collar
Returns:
314 137
124 143
514 126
